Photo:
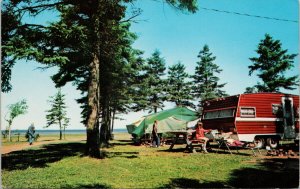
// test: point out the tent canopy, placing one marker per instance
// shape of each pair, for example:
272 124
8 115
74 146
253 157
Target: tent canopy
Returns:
168 120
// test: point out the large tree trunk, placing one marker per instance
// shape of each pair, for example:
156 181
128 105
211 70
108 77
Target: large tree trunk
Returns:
92 129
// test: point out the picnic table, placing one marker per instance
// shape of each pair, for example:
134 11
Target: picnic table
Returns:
184 135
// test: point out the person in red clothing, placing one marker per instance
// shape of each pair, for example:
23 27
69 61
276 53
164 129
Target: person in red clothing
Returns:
200 131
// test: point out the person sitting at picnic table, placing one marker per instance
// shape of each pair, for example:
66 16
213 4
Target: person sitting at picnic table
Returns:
200 134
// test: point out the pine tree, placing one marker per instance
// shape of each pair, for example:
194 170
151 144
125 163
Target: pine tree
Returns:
154 85
250 90
79 43
206 83
272 63
179 90
57 113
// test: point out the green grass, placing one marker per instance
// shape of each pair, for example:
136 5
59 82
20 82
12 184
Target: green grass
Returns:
127 166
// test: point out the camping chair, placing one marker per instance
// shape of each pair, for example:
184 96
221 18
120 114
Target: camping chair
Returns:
226 143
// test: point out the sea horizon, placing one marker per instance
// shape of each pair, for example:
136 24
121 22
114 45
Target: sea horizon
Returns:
56 131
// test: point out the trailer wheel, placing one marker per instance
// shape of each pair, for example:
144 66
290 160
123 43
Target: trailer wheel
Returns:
272 142
259 142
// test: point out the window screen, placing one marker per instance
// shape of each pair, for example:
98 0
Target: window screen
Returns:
219 114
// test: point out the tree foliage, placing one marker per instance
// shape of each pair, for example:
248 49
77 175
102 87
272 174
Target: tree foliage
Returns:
250 90
57 114
14 110
10 22
272 63
90 43
178 88
206 83
153 85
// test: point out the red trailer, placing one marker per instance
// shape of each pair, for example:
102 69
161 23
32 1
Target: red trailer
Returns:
264 118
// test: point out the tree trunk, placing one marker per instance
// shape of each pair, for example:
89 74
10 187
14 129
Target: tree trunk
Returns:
103 141
9 131
92 128
60 130
104 123
108 118
113 122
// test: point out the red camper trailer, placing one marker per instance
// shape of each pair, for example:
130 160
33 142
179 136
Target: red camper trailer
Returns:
260 117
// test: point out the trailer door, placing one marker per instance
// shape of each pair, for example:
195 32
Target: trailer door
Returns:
288 118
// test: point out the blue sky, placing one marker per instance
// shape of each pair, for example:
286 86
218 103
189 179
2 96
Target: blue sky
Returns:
233 39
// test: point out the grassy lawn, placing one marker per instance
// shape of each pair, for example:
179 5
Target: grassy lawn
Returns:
62 165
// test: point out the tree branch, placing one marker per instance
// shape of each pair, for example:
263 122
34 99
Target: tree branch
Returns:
136 14
45 6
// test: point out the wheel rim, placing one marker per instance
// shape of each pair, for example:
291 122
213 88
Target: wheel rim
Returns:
272 143
259 142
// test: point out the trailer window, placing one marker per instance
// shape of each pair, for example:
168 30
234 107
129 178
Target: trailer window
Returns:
276 109
247 112
219 114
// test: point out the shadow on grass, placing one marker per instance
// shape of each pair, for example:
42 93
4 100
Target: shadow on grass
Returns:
192 183
234 152
127 141
129 155
210 150
83 186
40 157
118 144
270 173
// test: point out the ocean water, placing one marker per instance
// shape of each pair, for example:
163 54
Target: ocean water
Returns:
56 132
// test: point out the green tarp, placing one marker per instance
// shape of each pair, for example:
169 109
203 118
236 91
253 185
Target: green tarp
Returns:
168 120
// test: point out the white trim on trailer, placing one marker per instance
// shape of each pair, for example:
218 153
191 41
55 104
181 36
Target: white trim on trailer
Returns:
260 119
250 137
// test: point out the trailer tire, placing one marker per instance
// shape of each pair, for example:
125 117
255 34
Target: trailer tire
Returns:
272 142
259 142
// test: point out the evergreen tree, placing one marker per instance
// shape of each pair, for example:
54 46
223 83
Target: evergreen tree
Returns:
79 43
57 113
272 63
206 83
15 110
250 90
179 90
154 85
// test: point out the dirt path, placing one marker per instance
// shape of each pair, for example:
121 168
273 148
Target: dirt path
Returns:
24 145
7 148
